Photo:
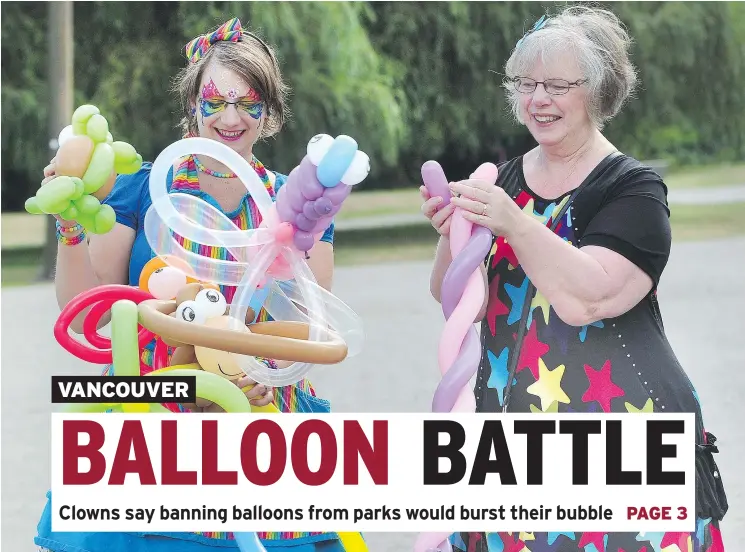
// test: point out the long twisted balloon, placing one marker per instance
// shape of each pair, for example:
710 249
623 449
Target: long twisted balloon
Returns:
462 297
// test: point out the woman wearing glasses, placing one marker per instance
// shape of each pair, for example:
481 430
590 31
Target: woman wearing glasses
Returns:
581 237
231 91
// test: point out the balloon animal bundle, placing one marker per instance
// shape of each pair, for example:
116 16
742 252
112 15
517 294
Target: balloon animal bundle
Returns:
87 163
463 292
178 302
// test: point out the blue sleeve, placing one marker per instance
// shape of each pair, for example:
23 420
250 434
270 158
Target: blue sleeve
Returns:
126 197
328 235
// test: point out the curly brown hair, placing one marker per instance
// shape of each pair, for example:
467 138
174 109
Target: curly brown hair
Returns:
251 58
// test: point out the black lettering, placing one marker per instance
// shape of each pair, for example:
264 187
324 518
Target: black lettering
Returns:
580 431
614 473
433 451
492 436
535 430
656 451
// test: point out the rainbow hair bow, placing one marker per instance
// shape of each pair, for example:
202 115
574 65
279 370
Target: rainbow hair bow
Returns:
229 31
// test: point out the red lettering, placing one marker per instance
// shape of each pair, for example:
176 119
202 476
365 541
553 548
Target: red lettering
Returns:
73 451
645 512
169 471
277 452
132 437
211 475
299 452
375 457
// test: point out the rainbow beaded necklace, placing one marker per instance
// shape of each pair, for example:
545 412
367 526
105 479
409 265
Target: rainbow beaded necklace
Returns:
246 216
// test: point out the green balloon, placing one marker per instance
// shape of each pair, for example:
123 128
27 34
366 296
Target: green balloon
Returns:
99 167
88 205
83 113
55 194
97 128
32 206
71 213
216 389
104 220
90 408
125 348
79 188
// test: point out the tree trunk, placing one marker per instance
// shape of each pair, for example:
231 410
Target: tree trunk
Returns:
60 74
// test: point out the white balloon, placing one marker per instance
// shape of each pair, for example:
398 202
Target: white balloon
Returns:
318 147
211 302
65 135
192 312
358 169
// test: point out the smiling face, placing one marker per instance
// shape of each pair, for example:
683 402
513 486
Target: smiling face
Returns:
228 109
553 119
220 362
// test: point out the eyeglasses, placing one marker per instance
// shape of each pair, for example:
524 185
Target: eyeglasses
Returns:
213 106
555 87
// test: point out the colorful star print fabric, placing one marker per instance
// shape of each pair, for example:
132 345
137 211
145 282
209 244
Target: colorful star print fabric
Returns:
535 362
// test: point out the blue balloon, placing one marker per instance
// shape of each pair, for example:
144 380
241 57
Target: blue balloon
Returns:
249 542
336 161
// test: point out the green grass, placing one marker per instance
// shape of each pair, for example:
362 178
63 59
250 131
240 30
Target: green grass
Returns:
701 222
706 175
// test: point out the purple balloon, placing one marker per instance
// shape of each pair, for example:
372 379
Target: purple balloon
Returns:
284 209
468 260
322 223
322 206
294 194
309 210
310 186
303 240
304 223
453 285
338 193
335 209
436 182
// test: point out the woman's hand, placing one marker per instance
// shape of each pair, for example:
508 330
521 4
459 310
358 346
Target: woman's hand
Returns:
440 219
488 205
258 395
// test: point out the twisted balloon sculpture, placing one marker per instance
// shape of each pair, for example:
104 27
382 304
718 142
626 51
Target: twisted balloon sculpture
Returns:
272 255
462 296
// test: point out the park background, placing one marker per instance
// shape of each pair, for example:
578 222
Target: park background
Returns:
410 82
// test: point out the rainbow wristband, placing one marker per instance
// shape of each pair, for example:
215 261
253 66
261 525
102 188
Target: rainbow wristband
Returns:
66 240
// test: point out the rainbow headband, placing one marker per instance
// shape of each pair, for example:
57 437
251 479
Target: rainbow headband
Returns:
230 31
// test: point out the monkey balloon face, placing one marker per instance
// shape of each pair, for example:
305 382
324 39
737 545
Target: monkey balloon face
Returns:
207 308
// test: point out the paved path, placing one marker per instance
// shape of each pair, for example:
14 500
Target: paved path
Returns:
707 196
397 370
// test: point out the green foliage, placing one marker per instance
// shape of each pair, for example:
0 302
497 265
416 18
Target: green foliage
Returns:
409 81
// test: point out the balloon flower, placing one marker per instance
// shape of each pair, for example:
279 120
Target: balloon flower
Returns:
87 161
271 257
462 295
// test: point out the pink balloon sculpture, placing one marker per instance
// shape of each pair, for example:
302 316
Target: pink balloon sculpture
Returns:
463 295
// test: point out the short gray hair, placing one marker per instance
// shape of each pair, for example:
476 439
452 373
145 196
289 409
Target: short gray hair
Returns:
600 44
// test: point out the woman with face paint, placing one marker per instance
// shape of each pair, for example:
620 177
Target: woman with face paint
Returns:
581 235
230 91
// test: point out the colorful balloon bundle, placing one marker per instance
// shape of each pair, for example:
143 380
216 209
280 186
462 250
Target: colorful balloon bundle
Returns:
179 301
272 256
88 161
462 296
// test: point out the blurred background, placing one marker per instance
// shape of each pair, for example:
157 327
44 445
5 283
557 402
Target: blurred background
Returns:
410 82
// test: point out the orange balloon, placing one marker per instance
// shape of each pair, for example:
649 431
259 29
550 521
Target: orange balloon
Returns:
74 156
160 262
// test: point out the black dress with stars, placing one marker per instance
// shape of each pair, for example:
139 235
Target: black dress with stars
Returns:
534 362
